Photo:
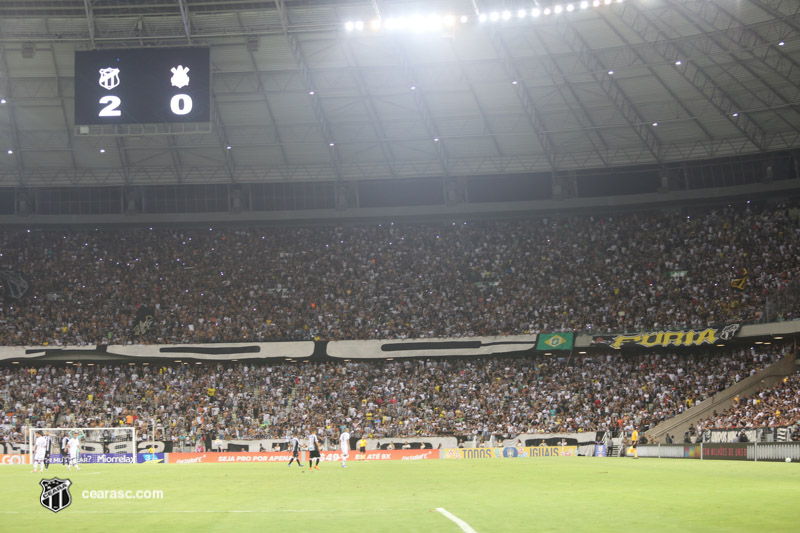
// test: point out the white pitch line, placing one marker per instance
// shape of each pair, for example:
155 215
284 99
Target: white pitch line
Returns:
466 528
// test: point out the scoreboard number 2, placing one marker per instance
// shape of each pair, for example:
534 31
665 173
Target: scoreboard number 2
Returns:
111 109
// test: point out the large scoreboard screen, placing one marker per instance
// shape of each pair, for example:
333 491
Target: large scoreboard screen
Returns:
142 86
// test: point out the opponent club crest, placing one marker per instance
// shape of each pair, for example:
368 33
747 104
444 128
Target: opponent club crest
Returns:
55 494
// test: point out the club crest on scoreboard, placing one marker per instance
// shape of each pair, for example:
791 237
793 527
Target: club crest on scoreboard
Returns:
109 78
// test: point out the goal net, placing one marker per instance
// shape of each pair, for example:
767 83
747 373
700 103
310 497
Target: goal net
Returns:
114 445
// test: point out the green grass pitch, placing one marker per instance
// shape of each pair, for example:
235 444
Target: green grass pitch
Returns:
493 495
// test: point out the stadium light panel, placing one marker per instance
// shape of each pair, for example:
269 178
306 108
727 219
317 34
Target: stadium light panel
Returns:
547 11
464 19
608 2
494 16
3 100
558 9
570 8
360 25
535 12
521 13
449 20
585 4
349 26
482 17
506 15
375 24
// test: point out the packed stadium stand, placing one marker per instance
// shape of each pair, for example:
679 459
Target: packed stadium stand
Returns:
626 272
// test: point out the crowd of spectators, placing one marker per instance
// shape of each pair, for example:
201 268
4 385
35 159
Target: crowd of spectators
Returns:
626 272
777 406
382 399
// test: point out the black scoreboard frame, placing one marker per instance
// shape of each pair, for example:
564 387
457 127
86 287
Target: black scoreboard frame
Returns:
143 86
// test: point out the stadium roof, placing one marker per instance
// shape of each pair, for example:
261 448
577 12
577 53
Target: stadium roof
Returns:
299 95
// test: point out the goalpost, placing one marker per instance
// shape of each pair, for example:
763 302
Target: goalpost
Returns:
111 445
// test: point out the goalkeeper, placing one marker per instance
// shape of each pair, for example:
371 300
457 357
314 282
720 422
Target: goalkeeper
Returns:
74 445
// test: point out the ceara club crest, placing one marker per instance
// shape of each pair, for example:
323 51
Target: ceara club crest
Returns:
55 494
109 78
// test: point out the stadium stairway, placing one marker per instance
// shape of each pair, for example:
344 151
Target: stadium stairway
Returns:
722 400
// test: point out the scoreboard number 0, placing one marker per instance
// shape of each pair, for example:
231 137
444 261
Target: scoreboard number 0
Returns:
181 104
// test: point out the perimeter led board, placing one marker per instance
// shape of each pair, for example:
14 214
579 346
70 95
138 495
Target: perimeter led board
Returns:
142 86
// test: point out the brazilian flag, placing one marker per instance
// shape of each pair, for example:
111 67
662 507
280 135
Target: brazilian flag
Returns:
555 341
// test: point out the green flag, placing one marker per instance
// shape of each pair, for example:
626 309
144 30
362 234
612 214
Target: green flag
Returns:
555 341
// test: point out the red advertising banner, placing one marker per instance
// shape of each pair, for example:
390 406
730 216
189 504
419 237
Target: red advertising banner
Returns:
13 459
283 457
735 451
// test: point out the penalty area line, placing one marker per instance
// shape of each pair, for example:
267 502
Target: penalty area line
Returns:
466 528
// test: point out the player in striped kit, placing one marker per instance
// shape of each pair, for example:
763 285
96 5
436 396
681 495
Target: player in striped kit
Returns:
313 451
